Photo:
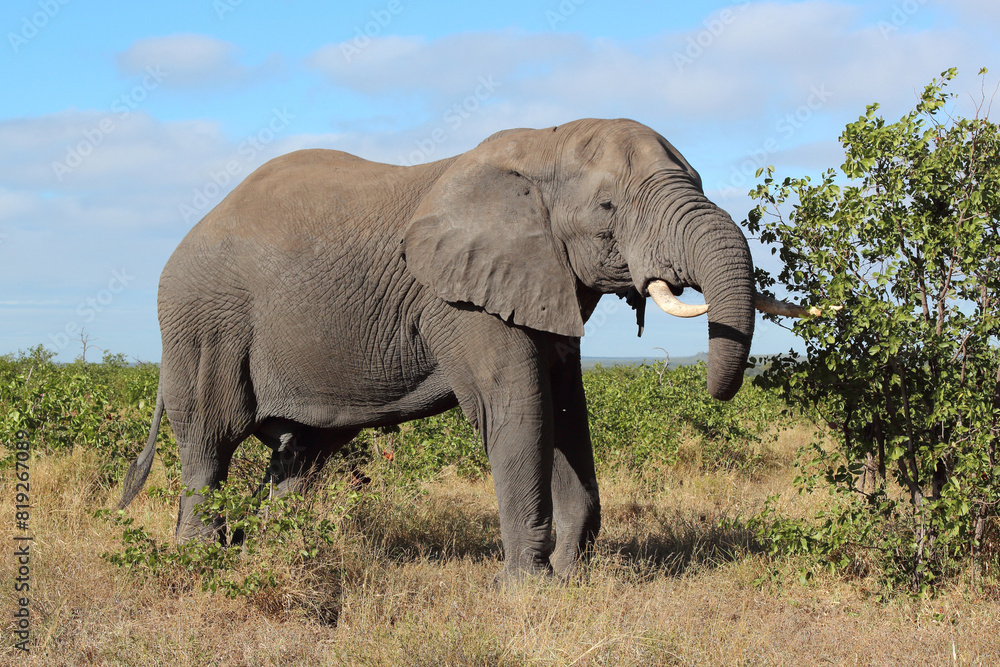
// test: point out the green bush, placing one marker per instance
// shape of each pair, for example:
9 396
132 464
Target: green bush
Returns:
639 416
424 447
285 529
106 407
907 240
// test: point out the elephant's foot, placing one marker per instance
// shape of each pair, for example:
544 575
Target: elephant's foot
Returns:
514 575
573 549
197 531
566 566
524 564
190 527
570 555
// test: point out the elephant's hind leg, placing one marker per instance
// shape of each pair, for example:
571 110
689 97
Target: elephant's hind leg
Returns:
204 463
211 407
298 453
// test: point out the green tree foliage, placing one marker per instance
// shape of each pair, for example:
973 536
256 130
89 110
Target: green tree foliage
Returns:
905 238
106 407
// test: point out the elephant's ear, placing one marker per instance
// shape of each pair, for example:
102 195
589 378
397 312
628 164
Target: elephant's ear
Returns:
481 235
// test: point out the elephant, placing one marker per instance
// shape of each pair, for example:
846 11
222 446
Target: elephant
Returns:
327 293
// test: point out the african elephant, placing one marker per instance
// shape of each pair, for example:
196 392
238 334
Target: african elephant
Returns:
327 293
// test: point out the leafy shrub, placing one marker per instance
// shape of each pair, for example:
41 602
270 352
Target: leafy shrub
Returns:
907 239
421 449
285 530
639 416
106 407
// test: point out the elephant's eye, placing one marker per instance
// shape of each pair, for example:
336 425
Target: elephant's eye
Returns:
607 205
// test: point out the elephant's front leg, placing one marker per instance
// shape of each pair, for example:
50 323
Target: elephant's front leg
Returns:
575 499
518 439
500 376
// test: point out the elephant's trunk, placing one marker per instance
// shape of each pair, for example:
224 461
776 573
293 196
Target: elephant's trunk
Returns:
721 265
697 244
702 247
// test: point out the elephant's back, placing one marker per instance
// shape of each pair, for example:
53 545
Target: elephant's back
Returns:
311 206
310 194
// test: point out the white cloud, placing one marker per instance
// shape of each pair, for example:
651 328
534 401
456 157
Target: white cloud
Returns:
14 204
191 61
743 74
448 66
756 71
90 151
979 13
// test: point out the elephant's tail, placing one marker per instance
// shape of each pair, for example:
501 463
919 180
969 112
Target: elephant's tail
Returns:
139 469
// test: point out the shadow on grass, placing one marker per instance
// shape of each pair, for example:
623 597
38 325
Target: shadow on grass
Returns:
679 543
435 530
385 525
665 543
384 535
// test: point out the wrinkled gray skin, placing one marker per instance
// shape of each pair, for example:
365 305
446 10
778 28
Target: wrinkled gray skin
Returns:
327 293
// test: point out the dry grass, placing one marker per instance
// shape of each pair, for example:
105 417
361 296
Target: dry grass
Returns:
411 582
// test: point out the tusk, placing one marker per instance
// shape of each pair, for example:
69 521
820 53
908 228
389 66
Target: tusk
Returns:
670 304
768 304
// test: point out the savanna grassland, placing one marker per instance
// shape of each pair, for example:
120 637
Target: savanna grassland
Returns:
392 559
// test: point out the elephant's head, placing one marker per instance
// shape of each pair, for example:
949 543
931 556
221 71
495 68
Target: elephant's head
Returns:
532 223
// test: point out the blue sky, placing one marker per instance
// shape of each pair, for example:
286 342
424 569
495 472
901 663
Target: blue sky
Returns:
119 120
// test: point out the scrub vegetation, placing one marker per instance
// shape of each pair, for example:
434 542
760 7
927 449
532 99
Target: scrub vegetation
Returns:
393 558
